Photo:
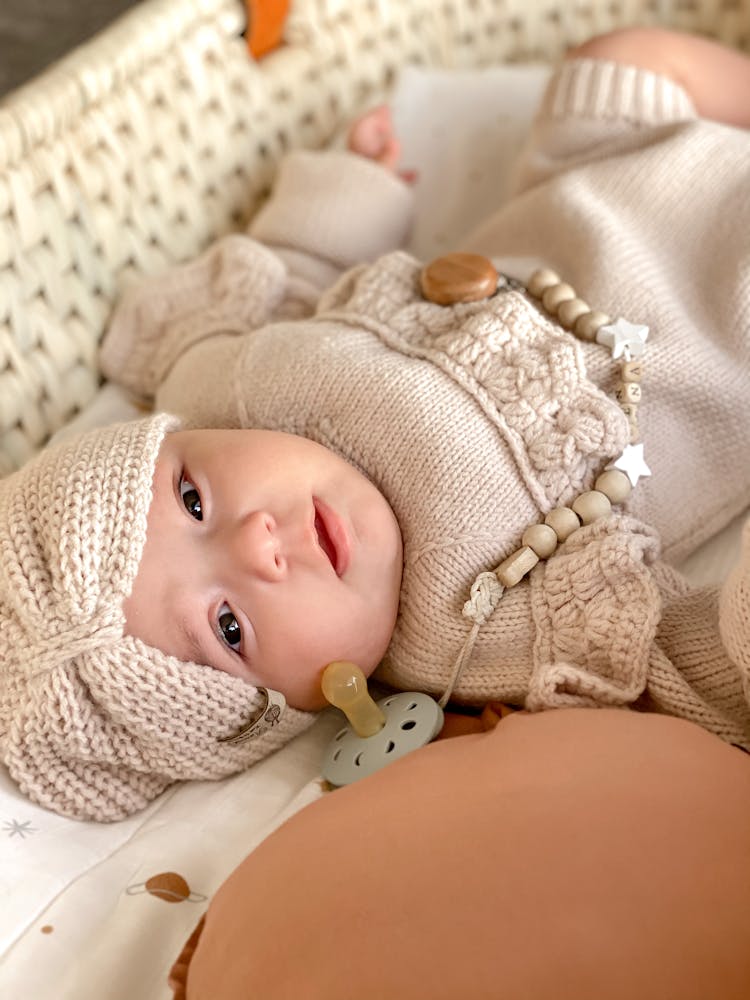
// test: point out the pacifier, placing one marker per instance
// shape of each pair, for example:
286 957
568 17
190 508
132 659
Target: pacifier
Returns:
378 732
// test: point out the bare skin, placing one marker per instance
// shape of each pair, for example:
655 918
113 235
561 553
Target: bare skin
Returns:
273 557
716 77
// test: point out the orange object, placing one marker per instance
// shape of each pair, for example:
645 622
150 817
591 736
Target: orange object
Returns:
265 24
493 712
458 277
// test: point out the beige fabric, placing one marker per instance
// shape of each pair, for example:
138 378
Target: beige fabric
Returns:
158 135
642 207
93 723
734 611
474 420
615 626
572 855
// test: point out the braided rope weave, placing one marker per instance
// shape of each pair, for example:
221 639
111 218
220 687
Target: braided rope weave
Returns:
145 144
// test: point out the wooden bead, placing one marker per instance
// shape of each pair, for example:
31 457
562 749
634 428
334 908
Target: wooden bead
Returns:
569 312
631 371
513 569
554 297
586 326
613 483
541 538
563 522
541 280
630 410
591 506
458 277
628 392
635 433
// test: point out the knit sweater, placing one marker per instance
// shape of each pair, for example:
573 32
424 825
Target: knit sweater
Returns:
474 420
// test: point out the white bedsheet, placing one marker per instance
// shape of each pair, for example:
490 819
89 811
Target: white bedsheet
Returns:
77 919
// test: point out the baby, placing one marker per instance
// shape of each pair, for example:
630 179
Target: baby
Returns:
382 454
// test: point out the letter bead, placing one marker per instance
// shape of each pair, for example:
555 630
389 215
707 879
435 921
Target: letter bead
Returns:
631 371
591 506
614 483
563 522
628 392
541 280
513 569
541 538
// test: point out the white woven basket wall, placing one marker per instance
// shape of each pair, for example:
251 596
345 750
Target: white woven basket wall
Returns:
145 144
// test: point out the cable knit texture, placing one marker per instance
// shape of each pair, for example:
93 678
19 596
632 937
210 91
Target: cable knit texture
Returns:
596 608
734 611
93 723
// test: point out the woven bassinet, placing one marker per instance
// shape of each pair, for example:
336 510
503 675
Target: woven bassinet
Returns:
159 135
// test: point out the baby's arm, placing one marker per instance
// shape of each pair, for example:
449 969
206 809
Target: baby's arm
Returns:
332 210
329 211
717 78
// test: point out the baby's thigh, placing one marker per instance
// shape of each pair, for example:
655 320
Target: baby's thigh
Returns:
573 853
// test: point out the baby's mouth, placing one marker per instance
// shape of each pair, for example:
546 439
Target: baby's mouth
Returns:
331 536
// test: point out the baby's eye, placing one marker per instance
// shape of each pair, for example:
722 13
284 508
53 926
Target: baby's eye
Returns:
191 498
229 628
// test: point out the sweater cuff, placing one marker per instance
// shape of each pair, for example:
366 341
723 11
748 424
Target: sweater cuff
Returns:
234 286
609 91
338 206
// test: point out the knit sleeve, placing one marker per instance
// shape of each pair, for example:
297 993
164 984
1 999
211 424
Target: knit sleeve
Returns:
234 287
595 108
328 211
616 626
336 208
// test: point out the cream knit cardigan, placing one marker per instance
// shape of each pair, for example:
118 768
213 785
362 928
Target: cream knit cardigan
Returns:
474 420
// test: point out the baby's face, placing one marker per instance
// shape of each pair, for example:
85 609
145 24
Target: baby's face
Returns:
266 556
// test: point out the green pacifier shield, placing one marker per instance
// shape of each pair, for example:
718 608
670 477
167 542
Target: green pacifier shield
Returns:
411 721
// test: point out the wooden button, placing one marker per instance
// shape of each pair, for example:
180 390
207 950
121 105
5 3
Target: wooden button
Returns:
458 277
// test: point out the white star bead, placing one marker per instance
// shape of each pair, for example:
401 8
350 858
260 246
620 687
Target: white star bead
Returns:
632 463
628 339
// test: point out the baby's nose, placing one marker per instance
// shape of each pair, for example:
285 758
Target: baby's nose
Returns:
257 548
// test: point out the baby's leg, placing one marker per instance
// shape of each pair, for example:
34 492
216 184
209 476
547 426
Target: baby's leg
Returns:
716 77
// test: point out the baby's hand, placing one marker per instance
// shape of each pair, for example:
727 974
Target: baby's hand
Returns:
372 136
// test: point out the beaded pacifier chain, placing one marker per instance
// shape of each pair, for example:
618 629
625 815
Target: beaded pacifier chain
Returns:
379 733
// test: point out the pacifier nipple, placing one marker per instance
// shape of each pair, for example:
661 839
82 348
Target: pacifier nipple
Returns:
378 733
345 686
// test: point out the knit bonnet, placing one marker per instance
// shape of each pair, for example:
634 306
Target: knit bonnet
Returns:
94 723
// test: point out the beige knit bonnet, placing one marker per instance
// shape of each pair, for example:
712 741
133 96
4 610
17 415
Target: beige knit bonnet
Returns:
94 723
